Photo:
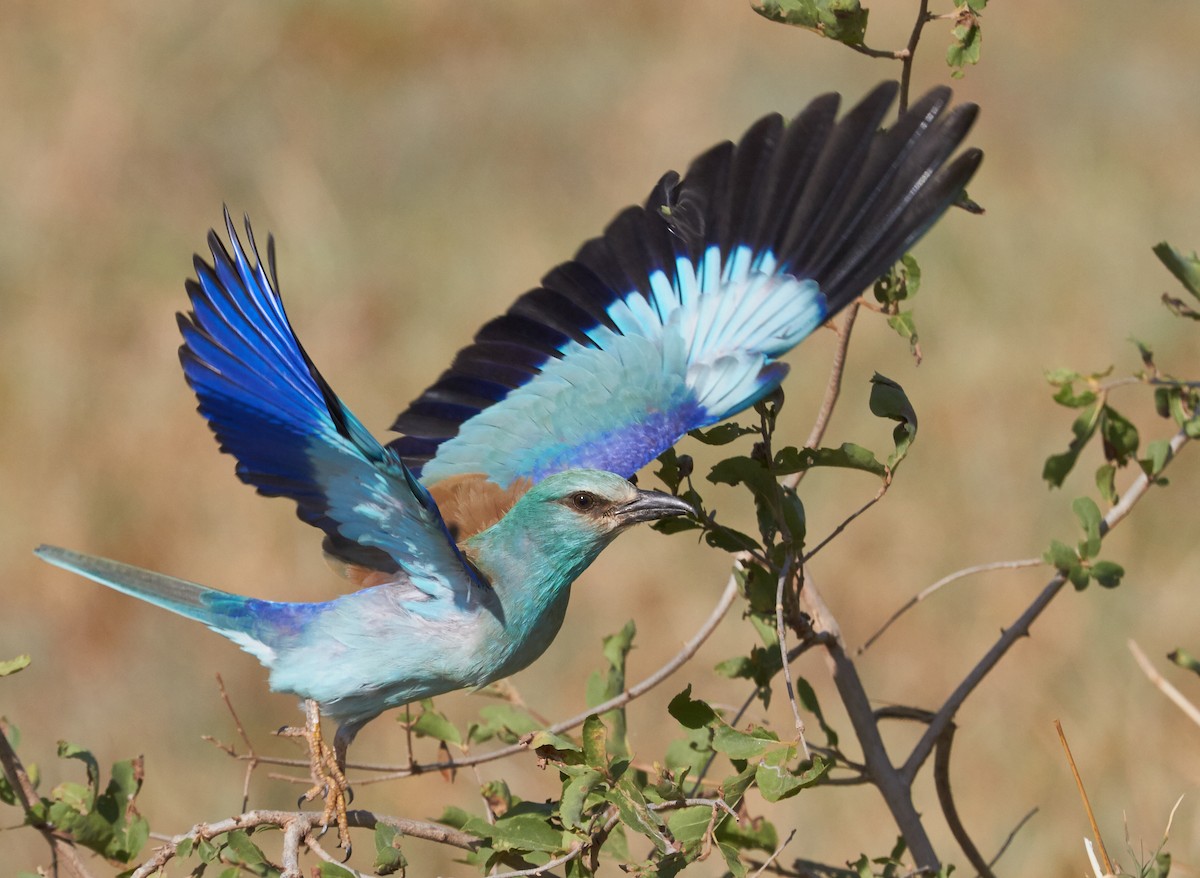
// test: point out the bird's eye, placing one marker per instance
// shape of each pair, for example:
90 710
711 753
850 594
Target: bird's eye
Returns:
583 501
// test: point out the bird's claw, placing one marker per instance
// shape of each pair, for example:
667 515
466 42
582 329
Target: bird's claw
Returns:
329 781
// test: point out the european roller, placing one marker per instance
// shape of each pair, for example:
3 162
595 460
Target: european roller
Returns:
462 537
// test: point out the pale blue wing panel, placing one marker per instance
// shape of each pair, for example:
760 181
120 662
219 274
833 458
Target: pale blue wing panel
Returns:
674 317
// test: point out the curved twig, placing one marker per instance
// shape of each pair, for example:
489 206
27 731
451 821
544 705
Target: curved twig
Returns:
1177 698
941 583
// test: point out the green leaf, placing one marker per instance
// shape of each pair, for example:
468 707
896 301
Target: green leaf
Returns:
1185 268
1089 517
1067 396
1078 576
1108 573
1057 466
690 713
735 786
602 688
595 742
751 835
67 750
634 813
904 325
848 455
434 724
1120 436
326 869
842 20
388 857
1106 482
691 753
776 781
574 796
968 39
729 540
11 666
1062 556
733 860
689 826
668 471
722 434
246 851
550 745
742 745
504 721
1185 660
1158 453
739 470
888 400
525 831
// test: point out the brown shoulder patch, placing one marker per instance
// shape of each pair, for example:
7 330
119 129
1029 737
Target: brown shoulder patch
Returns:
471 503
359 576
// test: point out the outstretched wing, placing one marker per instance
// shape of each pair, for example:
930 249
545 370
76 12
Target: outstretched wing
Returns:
271 409
674 317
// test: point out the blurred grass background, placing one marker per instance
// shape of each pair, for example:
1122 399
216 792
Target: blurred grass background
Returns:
423 164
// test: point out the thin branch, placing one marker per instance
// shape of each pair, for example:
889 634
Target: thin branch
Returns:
941 583
833 387
62 848
251 757
1181 701
909 52
1012 835
775 854
781 633
1022 624
574 853
883 489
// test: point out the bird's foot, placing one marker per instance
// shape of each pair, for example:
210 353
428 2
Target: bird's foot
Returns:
329 781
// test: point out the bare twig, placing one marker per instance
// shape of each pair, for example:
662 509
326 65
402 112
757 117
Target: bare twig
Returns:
775 854
1012 835
941 583
1020 627
833 387
781 633
1180 700
62 848
909 52
251 757
883 489
574 853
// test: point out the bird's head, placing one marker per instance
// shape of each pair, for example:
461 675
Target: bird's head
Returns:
567 519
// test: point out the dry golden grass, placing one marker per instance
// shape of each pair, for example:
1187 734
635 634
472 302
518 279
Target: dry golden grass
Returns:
423 164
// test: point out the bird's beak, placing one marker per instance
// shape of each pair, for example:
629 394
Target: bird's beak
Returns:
651 506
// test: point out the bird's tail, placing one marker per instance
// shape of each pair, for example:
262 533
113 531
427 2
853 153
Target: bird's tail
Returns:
225 613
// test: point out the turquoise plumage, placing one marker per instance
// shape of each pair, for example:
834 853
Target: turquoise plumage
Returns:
465 534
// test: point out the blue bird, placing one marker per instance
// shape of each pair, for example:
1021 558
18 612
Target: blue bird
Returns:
463 536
